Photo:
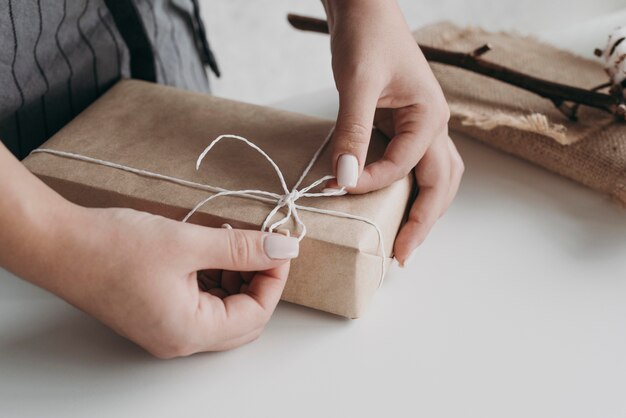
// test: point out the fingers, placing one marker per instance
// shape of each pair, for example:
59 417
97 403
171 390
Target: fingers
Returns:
209 279
231 282
351 138
240 318
224 321
241 250
433 175
457 168
218 292
221 284
416 127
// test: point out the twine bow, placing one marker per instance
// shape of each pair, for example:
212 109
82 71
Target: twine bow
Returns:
287 199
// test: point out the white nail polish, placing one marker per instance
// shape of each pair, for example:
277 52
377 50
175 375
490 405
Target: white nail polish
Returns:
280 247
347 170
408 259
283 231
338 192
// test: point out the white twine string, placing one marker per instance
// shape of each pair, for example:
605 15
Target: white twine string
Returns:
287 199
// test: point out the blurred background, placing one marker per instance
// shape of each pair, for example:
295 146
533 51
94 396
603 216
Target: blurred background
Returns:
263 60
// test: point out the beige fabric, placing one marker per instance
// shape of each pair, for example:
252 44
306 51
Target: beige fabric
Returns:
591 151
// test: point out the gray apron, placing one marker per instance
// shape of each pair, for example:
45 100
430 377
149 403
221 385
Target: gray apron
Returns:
58 56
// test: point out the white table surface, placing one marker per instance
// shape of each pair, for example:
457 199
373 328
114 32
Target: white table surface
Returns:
514 307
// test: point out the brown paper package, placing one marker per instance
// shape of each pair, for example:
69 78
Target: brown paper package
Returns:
591 151
163 130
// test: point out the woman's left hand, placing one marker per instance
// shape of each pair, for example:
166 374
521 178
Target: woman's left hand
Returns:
383 78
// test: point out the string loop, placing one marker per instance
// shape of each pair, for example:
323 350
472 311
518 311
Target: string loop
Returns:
288 199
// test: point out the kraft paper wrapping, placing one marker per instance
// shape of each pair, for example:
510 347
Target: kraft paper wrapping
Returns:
161 129
591 151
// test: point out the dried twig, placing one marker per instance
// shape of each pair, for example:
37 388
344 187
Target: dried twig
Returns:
566 98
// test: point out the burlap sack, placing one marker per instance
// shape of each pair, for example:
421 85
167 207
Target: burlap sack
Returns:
591 151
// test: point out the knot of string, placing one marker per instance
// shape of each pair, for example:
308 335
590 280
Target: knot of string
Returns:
287 199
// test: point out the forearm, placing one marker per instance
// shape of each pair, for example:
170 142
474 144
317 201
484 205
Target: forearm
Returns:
32 217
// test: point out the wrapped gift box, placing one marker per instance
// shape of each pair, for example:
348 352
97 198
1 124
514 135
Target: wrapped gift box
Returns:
163 130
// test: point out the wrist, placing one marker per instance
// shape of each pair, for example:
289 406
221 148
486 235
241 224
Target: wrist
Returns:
41 233
42 227
41 223
345 12
66 258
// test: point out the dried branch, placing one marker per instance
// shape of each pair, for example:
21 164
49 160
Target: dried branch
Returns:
566 98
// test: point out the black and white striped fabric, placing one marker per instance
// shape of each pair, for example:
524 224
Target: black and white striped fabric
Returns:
58 56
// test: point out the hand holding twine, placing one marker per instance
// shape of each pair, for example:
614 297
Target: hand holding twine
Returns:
288 199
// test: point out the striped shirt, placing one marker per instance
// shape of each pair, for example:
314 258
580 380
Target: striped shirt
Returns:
58 56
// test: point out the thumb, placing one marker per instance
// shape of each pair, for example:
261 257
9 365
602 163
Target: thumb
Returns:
243 250
352 133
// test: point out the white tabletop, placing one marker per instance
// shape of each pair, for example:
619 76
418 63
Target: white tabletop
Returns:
514 307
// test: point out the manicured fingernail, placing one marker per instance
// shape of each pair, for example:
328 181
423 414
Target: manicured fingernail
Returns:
283 231
227 226
347 170
408 260
333 190
280 247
